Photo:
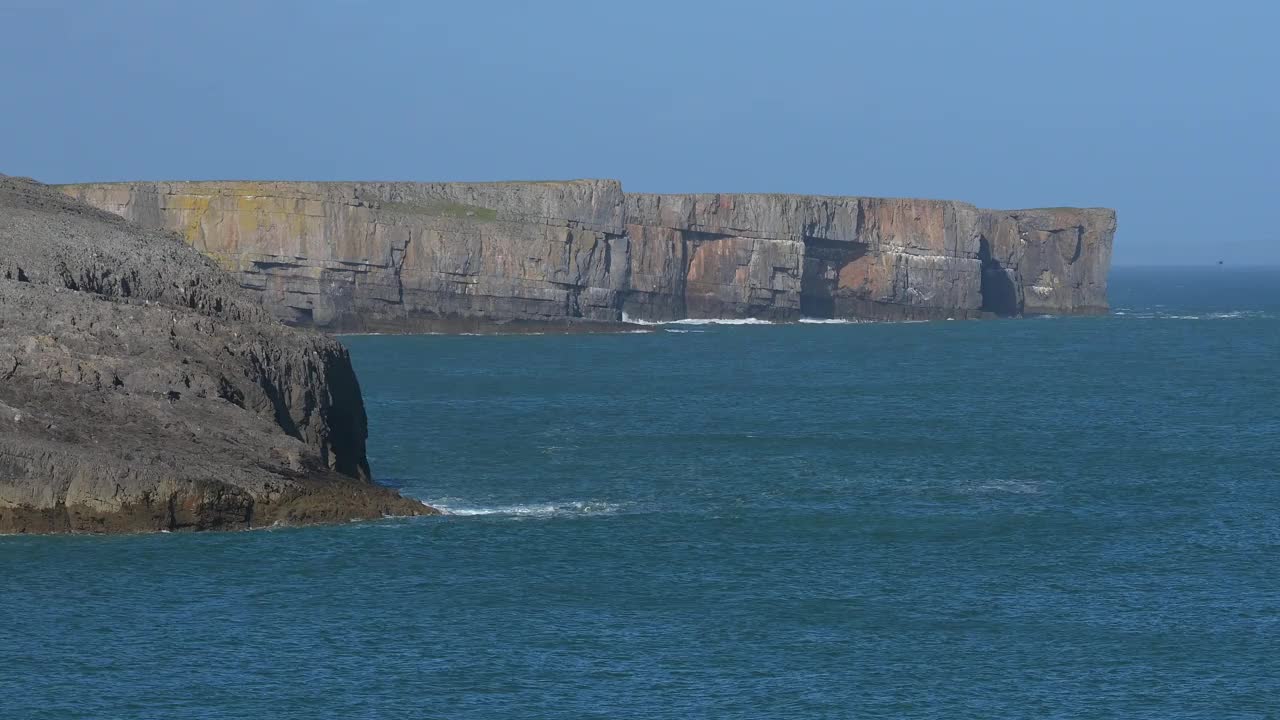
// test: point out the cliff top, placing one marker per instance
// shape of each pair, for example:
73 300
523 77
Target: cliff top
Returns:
242 185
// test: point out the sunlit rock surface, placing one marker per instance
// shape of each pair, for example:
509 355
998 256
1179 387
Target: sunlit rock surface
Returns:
405 257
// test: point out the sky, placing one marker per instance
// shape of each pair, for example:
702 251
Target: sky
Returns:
1167 111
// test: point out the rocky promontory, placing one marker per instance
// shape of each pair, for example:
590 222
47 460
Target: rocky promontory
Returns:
406 257
141 388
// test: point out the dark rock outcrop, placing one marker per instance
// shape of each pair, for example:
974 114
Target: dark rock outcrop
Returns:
142 389
422 256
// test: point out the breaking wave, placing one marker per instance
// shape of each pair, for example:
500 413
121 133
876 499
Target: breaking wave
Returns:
1160 315
720 321
697 321
1017 487
1234 314
633 321
577 508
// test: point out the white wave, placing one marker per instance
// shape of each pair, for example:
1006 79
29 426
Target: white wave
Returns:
1238 314
682 332
1162 315
753 321
1017 487
696 321
635 321
459 508
720 321
1153 314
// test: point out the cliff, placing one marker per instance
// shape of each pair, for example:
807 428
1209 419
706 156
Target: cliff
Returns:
420 256
142 389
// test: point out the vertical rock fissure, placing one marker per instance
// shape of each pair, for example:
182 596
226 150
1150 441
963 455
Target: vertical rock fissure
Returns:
690 254
404 253
999 293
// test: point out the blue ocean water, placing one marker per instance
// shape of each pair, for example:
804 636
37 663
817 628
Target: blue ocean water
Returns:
1048 518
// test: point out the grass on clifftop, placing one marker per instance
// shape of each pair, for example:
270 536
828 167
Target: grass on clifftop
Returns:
440 208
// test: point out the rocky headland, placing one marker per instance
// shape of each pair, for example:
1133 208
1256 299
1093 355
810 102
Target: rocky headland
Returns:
412 257
141 388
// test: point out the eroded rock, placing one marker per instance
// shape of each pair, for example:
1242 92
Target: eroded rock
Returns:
416 256
142 389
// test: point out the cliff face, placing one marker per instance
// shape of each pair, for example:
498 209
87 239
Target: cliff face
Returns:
142 389
415 256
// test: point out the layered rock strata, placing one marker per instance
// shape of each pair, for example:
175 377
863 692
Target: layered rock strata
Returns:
421 256
142 389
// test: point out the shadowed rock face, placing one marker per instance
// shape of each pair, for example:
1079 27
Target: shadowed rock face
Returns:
418 256
142 389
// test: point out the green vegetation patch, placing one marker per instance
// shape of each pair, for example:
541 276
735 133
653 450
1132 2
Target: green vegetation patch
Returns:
440 208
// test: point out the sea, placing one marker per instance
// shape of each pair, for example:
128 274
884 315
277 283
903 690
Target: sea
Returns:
1051 517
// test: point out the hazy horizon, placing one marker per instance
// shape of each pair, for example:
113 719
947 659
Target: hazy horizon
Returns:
1161 111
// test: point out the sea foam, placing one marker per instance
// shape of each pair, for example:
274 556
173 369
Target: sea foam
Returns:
696 321
461 508
1164 315
720 321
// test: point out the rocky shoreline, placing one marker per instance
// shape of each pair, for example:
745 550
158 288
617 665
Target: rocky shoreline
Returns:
141 389
147 382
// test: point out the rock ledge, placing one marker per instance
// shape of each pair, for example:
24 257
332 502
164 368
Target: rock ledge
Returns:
414 257
142 389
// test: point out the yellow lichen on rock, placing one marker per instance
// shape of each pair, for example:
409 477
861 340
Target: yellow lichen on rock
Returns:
190 211
399 256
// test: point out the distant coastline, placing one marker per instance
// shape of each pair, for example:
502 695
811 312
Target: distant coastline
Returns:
583 255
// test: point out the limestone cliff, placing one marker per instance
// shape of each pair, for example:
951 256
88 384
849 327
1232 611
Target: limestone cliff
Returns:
416 256
142 389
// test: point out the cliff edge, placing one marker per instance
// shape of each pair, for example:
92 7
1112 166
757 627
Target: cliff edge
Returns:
404 257
142 389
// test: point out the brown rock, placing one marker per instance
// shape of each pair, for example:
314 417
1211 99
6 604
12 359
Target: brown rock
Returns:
420 256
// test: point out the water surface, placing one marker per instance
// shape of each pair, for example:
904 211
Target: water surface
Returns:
1056 517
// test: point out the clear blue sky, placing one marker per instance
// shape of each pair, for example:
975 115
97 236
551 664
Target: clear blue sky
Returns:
1167 111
